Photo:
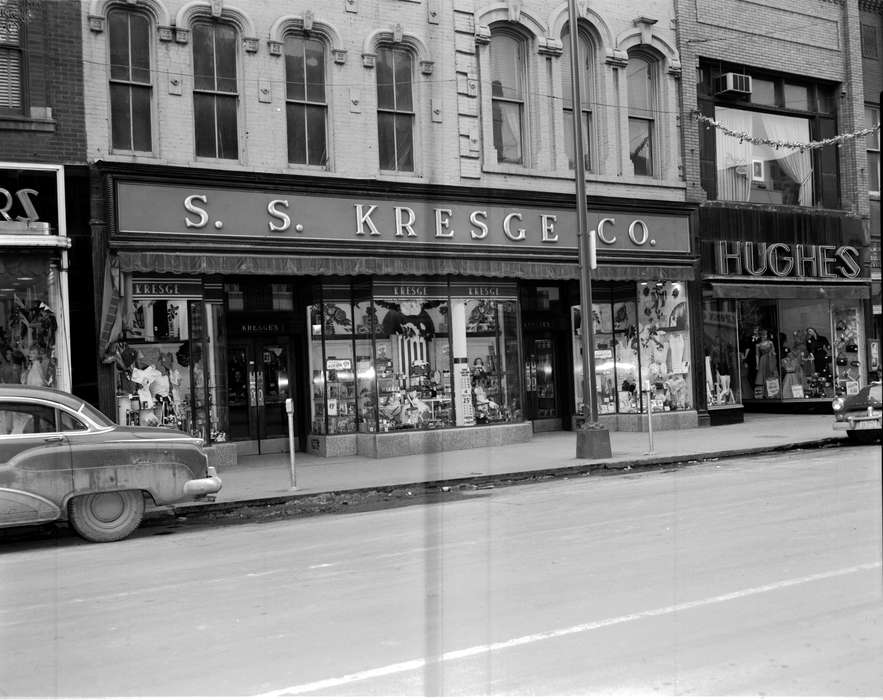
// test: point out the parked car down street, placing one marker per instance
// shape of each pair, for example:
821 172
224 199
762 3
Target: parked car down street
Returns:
860 415
61 459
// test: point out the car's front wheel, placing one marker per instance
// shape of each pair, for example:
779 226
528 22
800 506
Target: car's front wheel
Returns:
106 517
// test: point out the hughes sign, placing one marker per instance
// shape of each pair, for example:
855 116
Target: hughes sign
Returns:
153 209
799 260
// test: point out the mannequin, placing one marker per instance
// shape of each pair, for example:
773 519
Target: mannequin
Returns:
790 378
36 371
676 346
766 359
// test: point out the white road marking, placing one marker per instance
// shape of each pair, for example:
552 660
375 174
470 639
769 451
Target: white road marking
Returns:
415 664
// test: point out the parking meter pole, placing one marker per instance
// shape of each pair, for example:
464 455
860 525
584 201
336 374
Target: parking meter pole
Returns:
650 420
289 409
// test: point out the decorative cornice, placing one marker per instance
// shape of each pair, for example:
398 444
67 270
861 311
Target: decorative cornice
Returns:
871 6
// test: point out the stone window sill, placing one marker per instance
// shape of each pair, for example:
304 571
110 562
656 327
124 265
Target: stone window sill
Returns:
19 123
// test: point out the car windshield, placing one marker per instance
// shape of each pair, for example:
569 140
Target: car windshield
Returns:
96 416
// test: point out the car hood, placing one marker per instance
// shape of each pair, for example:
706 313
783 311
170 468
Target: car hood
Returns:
868 396
130 432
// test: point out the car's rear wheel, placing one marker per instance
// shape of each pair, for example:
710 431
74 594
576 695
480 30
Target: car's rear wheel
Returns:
863 437
106 517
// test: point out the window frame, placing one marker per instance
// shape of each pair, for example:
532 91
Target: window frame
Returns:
521 43
396 111
588 85
648 115
821 114
19 47
306 103
131 83
869 108
215 92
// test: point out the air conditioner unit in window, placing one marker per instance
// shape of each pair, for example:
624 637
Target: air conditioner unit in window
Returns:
732 84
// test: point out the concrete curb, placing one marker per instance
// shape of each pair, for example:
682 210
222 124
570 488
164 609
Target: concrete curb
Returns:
331 501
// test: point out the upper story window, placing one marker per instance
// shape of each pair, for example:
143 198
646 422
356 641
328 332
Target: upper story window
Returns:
395 108
130 81
507 60
586 79
641 80
872 119
757 172
215 90
11 57
306 104
771 111
869 41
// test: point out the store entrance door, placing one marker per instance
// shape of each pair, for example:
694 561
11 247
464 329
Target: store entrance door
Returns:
259 382
540 380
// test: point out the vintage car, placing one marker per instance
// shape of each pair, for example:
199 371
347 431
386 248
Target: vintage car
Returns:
62 459
860 415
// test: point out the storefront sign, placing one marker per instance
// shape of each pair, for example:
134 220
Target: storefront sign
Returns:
29 194
794 260
250 326
166 288
482 290
410 290
154 208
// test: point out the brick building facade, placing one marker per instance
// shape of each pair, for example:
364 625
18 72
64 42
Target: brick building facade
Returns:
44 196
784 230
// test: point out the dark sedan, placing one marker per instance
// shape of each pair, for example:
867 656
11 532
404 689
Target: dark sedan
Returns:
860 415
62 459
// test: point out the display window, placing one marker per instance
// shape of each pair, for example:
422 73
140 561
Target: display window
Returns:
641 336
800 349
170 366
416 356
30 299
721 348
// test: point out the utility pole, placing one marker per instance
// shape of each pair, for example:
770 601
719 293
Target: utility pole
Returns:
592 439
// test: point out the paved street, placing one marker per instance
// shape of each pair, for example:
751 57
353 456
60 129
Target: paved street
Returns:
745 576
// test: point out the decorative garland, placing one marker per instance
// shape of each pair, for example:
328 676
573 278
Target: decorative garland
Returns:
812 145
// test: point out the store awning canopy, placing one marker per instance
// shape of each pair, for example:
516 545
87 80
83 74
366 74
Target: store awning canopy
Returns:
318 265
783 290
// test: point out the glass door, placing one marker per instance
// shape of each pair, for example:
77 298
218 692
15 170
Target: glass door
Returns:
540 379
259 384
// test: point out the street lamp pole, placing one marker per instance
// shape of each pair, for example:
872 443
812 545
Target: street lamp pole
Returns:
592 439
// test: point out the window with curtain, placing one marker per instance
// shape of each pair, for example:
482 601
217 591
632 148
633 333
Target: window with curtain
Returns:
11 58
306 106
757 172
395 109
640 77
130 80
586 79
872 119
507 53
215 90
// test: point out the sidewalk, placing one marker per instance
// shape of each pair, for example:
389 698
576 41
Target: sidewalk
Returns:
266 479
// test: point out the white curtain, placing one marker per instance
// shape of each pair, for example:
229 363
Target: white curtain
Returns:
797 165
733 156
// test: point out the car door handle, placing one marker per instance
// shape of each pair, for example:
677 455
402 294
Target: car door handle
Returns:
54 438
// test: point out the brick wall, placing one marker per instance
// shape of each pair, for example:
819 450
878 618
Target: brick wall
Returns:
54 81
814 39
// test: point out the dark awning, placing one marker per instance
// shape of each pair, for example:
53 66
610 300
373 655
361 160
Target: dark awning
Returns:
730 290
290 265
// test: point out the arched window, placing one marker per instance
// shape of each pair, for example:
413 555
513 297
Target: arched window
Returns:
507 59
215 90
395 108
131 86
586 77
306 103
640 75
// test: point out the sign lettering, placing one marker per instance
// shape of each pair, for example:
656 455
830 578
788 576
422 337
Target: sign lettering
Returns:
759 259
